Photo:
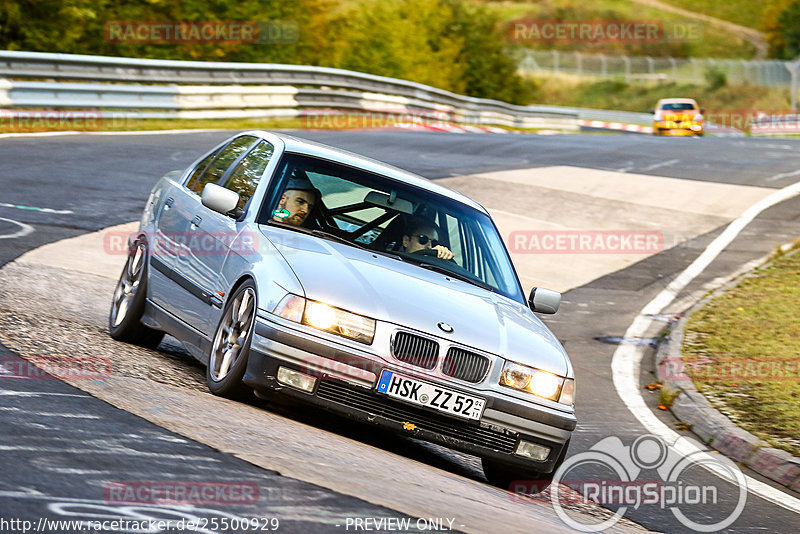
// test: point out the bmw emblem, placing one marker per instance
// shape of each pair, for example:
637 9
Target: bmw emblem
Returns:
444 327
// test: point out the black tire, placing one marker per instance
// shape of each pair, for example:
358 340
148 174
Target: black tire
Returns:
232 337
127 304
517 479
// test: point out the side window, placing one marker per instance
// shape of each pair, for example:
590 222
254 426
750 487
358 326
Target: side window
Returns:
217 168
456 239
198 171
247 173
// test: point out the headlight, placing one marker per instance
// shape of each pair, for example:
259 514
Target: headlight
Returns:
537 382
698 118
324 317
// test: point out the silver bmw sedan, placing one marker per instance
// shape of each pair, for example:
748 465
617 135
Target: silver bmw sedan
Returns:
292 268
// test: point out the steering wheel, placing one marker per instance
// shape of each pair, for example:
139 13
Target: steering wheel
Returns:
432 252
427 252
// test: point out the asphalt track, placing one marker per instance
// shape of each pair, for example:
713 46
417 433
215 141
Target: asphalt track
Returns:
91 182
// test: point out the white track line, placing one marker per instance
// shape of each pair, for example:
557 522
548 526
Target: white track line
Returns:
24 230
627 358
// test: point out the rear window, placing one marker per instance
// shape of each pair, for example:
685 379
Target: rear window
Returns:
684 106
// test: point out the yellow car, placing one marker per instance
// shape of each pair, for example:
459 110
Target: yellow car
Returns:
677 116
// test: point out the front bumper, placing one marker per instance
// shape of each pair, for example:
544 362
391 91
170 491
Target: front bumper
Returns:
346 385
677 128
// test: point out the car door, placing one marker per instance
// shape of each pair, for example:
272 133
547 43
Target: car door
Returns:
214 238
182 300
169 242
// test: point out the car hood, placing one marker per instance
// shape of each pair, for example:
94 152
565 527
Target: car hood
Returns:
391 290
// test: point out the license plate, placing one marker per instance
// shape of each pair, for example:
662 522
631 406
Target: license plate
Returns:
426 394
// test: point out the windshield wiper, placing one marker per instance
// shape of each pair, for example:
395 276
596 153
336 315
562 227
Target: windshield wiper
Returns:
463 278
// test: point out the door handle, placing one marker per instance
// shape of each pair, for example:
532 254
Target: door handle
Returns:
196 221
169 202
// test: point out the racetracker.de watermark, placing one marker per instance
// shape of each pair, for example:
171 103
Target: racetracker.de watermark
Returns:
602 31
727 370
49 120
185 243
55 367
201 31
586 241
758 122
189 493
400 117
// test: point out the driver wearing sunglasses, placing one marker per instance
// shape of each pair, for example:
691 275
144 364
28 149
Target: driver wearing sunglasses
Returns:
424 235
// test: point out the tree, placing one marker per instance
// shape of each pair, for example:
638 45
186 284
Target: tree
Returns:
785 36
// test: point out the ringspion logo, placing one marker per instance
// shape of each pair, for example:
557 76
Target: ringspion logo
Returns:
648 473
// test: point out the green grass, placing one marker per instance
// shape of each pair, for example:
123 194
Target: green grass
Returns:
343 121
706 41
743 352
119 124
749 13
641 97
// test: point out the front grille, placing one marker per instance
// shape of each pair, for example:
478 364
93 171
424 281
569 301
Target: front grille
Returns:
415 350
362 399
465 365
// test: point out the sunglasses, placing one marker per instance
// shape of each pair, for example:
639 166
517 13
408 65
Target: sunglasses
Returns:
422 239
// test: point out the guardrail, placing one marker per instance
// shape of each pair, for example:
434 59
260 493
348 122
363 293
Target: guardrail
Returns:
149 88
191 89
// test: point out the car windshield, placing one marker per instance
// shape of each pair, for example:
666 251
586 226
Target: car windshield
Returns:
387 216
685 106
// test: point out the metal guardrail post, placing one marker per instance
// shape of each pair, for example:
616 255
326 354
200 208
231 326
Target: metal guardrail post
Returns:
793 68
627 62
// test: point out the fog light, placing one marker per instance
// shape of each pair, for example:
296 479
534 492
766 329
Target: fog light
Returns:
534 451
291 378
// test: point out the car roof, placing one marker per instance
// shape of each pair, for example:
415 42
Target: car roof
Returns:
677 101
302 146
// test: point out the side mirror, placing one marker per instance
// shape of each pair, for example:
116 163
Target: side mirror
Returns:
702 111
219 199
544 300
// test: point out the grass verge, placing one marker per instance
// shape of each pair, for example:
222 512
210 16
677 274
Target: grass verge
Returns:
682 36
121 125
742 350
343 121
641 97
